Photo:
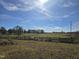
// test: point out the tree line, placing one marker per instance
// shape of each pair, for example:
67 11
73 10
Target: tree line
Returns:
18 30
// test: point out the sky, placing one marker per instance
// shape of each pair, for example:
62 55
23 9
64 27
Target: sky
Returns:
49 15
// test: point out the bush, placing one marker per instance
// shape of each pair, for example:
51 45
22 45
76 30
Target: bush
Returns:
6 42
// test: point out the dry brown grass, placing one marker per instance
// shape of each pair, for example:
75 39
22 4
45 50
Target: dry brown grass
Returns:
39 50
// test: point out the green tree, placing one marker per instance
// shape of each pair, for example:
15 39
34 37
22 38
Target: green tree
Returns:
3 30
18 30
10 31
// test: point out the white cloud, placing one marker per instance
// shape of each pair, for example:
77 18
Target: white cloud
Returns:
49 29
26 5
68 4
8 6
39 5
21 5
68 15
63 16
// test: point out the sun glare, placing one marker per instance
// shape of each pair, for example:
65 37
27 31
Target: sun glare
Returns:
43 1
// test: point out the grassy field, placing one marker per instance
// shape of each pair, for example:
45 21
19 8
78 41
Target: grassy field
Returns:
52 37
27 49
36 35
45 35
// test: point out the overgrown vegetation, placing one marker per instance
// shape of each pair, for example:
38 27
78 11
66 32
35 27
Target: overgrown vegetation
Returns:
39 50
18 43
48 37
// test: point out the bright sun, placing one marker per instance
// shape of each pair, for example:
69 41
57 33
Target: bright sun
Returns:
42 2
